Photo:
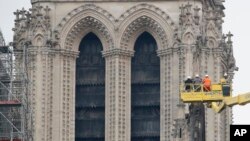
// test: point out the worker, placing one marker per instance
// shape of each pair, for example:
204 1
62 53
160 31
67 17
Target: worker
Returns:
197 83
223 80
206 83
226 90
188 84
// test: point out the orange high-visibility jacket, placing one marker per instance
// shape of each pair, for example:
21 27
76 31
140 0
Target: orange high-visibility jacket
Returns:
206 81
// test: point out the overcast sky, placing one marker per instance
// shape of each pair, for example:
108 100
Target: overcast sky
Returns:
237 21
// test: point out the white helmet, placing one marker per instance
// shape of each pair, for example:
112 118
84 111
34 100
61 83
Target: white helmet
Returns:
189 77
206 75
197 75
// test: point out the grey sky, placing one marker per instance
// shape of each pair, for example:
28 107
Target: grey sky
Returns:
237 21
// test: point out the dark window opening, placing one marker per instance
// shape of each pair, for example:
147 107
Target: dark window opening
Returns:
145 90
90 91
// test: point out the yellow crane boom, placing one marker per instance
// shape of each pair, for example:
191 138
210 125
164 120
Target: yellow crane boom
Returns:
241 99
231 101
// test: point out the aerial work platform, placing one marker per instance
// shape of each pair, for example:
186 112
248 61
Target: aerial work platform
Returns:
217 98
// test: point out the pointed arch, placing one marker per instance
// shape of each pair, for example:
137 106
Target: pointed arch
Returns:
211 42
150 9
145 90
82 20
140 25
90 90
212 30
188 38
38 40
145 17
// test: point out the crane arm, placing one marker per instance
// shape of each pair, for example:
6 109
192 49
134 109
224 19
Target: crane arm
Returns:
218 106
238 100
231 101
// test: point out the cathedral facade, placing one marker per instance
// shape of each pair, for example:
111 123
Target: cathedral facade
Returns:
111 70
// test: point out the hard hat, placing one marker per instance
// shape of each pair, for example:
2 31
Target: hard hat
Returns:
197 75
189 77
225 74
206 75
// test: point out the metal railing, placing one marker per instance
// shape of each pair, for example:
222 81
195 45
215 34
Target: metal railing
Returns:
193 88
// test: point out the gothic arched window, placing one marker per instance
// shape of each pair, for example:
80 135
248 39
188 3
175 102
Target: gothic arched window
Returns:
90 91
145 90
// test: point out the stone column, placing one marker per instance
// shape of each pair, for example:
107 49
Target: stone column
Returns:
40 74
118 95
222 118
52 95
64 95
169 87
187 55
204 61
40 93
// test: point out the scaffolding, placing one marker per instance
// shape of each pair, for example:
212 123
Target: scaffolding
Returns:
15 117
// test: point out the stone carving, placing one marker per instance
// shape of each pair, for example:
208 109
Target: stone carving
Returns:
189 22
92 24
227 58
212 29
33 26
196 122
114 52
78 10
145 6
150 25
81 22
147 22
180 126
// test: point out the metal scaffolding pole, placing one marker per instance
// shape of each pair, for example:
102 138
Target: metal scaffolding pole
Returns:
14 88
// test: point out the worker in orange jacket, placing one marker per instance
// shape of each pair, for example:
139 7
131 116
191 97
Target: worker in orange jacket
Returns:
206 83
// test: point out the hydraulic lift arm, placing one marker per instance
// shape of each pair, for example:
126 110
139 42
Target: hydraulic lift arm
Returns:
231 101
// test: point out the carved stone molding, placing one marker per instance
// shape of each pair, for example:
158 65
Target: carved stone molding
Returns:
217 52
118 98
141 24
79 30
167 51
166 98
189 16
147 7
227 58
146 17
82 20
32 26
52 51
117 51
189 21
86 7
